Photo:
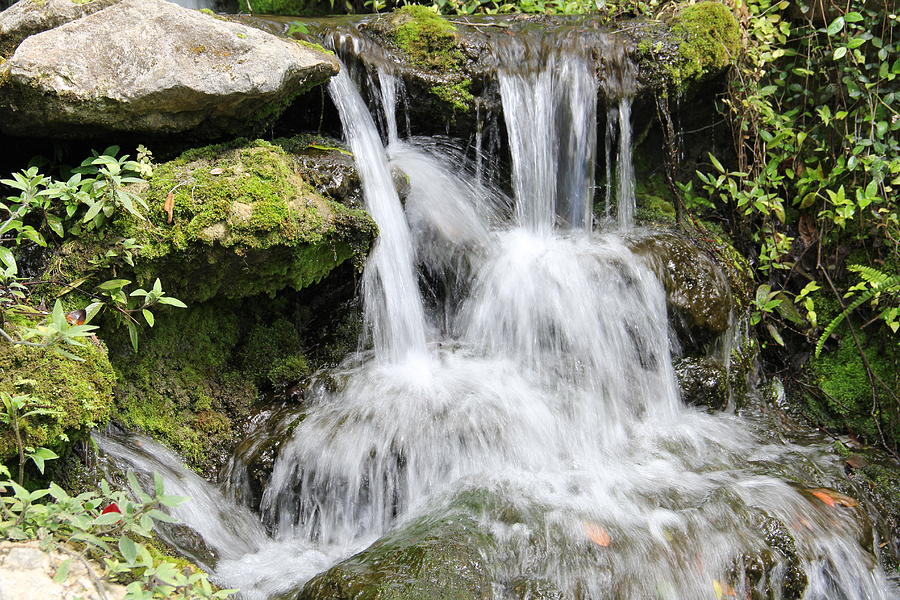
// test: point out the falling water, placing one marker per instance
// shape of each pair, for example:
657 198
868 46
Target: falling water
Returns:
625 168
550 395
393 305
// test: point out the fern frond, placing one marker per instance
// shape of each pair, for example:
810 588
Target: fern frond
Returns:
887 284
870 275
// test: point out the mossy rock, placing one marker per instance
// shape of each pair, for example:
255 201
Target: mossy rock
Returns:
697 290
703 382
200 371
434 559
80 393
709 40
432 60
244 222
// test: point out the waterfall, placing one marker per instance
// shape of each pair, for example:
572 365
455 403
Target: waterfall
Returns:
393 306
548 392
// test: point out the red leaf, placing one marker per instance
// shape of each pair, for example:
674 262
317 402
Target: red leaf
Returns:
112 508
833 498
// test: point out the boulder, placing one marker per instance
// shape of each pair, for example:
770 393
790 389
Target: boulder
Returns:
437 559
698 292
703 382
29 17
153 68
27 573
244 222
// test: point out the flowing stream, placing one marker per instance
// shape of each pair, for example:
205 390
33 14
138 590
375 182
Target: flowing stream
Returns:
542 384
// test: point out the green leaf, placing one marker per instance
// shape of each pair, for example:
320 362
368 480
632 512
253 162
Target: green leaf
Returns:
56 225
148 316
839 52
128 549
133 335
172 302
113 284
136 487
775 335
7 257
716 163
835 26
62 572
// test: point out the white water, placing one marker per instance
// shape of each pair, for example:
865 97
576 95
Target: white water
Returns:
550 390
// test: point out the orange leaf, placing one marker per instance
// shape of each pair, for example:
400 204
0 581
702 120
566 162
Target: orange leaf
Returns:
597 534
833 498
169 206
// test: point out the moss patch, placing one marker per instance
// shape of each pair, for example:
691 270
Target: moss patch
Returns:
430 43
846 399
80 393
244 222
709 39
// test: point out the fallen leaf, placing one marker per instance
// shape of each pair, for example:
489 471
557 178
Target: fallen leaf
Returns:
76 317
597 534
169 206
833 498
723 590
216 171
856 461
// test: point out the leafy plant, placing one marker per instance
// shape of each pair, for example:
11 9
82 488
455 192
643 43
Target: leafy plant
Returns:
16 411
107 529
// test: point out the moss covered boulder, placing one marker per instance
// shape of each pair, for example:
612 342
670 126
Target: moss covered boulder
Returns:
434 559
78 394
238 220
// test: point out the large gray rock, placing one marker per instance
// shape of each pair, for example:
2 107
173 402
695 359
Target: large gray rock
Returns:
28 17
152 67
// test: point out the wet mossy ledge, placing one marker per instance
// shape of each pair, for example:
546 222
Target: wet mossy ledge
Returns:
77 394
244 221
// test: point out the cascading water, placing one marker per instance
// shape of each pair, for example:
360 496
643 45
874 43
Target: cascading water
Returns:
549 393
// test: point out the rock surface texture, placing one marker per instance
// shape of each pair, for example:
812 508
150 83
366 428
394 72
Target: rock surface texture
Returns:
152 67
27 572
28 17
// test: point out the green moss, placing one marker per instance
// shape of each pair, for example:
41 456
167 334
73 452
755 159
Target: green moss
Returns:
293 8
709 39
244 222
273 354
182 387
314 46
437 559
428 39
846 400
430 43
456 95
80 393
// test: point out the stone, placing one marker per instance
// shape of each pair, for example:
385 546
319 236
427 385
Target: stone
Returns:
27 572
703 382
433 559
29 17
154 68
698 292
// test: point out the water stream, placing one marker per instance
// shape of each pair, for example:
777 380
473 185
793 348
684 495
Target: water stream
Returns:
542 383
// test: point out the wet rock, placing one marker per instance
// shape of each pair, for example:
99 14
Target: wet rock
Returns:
152 67
29 17
697 291
428 559
703 382
244 222
27 573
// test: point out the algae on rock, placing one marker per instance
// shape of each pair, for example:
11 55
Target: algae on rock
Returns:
79 393
244 222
